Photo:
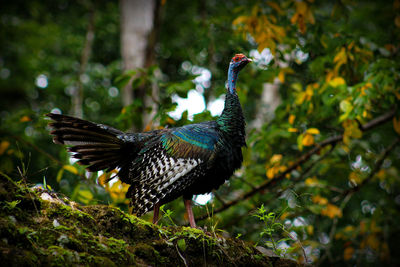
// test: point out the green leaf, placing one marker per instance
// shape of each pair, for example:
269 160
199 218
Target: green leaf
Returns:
182 244
59 175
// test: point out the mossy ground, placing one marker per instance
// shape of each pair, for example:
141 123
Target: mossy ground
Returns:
42 228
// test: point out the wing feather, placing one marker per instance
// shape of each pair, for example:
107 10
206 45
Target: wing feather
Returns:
169 164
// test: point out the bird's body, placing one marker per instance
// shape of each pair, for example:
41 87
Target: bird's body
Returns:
163 165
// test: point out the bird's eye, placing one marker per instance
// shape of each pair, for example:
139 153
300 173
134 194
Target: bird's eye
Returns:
236 58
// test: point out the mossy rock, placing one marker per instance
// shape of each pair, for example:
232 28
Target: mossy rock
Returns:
41 228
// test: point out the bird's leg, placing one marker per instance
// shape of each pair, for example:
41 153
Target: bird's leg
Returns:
156 212
188 206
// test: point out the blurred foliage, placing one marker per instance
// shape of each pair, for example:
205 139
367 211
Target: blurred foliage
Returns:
328 162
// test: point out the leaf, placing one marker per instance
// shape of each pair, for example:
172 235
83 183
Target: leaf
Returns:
335 82
182 244
348 253
275 6
291 118
281 76
85 196
396 125
345 106
59 175
102 179
310 229
313 131
311 181
3 146
320 200
397 21
332 211
275 158
300 142
122 80
308 140
271 173
293 130
71 169
25 119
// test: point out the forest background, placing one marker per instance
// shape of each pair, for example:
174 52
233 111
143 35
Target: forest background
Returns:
321 169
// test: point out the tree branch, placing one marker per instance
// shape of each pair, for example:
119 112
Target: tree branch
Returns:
302 159
375 170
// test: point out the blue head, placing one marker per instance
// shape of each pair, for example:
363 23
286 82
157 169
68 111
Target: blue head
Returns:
237 63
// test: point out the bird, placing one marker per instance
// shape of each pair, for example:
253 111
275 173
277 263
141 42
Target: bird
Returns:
162 165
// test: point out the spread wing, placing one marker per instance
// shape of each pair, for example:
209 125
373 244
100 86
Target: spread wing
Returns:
170 163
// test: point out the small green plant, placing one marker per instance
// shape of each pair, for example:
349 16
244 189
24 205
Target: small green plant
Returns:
167 213
271 226
10 205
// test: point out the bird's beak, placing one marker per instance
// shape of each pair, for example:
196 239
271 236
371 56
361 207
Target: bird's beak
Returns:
249 60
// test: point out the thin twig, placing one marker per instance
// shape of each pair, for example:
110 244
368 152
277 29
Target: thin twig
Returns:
180 255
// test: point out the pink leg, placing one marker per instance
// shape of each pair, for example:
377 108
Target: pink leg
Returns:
188 206
156 212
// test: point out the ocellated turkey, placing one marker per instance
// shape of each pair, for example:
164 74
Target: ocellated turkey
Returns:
162 165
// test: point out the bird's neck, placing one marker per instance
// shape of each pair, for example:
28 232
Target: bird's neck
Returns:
231 120
232 77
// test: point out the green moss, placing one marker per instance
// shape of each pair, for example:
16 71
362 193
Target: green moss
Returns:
60 232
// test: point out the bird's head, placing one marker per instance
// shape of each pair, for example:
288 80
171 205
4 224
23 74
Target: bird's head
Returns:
238 62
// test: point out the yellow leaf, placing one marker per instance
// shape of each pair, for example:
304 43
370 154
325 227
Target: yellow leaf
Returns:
373 242
123 111
102 179
337 82
332 211
312 131
281 76
59 175
300 98
355 177
319 200
71 169
117 191
396 125
397 21
381 175
349 229
25 119
85 196
340 56
348 253
308 140
282 169
275 158
170 121
291 118
3 146
271 173
275 6
351 130
311 181
310 229
293 130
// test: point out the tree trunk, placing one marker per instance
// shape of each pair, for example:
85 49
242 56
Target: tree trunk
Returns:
270 100
137 21
77 97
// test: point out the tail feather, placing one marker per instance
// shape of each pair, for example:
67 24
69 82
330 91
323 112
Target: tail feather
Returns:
95 145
